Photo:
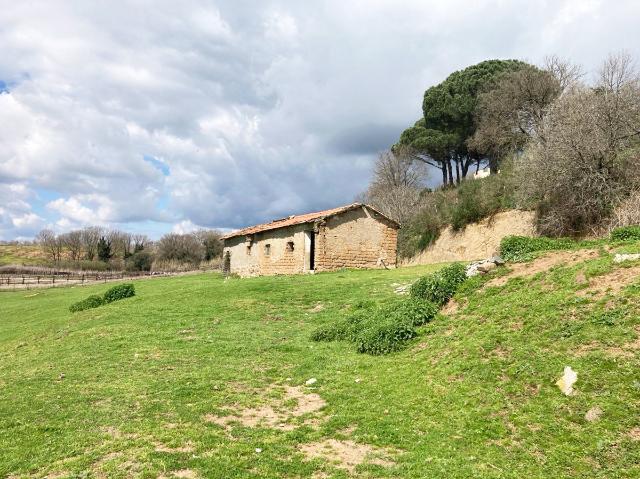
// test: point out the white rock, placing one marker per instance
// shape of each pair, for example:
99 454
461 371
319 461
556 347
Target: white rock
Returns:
358 380
566 382
311 381
486 267
619 258
258 450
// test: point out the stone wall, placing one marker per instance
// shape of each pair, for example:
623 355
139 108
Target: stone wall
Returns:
280 260
356 239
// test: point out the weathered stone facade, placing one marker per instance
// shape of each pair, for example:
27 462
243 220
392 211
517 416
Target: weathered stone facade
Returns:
354 236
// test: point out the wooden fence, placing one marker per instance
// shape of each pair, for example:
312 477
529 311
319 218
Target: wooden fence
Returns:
63 278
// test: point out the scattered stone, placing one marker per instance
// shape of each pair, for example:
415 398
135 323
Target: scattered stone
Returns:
311 381
566 382
358 380
258 450
593 414
484 266
619 257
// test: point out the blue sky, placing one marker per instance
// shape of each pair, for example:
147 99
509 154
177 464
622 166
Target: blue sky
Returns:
167 116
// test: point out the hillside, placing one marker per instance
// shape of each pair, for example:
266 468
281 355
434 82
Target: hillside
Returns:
477 240
21 254
201 377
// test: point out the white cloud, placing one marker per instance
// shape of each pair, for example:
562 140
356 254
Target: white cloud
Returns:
254 111
184 227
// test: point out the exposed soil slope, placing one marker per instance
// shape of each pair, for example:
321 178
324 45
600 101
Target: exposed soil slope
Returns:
476 241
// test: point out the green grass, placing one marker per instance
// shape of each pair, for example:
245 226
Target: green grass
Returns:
21 254
94 393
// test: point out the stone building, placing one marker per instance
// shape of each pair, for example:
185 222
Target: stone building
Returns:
352 236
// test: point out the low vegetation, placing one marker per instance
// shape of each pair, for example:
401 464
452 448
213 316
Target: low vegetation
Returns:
198 376
555 142
116 293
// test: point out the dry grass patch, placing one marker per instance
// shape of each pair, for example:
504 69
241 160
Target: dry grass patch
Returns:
542 264
188 447
347 454
611 283
634 434
276 416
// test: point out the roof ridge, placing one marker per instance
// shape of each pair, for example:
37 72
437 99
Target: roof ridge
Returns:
301 219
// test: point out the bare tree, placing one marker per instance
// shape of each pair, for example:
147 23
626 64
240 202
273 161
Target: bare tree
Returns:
140 242
50 244
512 113
211 242
566 73
72 242
396 184
121 243
183 248
90 238
589 160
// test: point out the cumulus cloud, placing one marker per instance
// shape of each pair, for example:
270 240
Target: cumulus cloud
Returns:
223 114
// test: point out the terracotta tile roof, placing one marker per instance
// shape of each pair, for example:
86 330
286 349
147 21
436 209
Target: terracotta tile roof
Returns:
300 219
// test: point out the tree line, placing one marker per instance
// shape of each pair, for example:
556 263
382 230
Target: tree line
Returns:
95 247
563 145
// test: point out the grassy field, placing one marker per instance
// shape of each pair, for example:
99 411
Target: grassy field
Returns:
201 377
21 254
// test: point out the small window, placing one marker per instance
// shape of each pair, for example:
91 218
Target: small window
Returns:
267 249
248 250
289 246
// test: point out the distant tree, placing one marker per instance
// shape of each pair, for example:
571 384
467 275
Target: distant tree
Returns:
50 243
90 238
396 184
104 249
139 261
440 137
72 242
140 242
183 248
211 243
121 243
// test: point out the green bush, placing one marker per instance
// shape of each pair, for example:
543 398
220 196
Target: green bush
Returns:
384 334
346 329
520 247
416 311
92 301
626 233
139 261
440 286
118 292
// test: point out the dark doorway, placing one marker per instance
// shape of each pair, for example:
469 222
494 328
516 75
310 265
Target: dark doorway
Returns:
226 263
312 252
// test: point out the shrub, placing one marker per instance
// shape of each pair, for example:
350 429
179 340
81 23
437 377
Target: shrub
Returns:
92 301
416 311
384 334
519 247
440 286
626 233
346 329
118 292
139 261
